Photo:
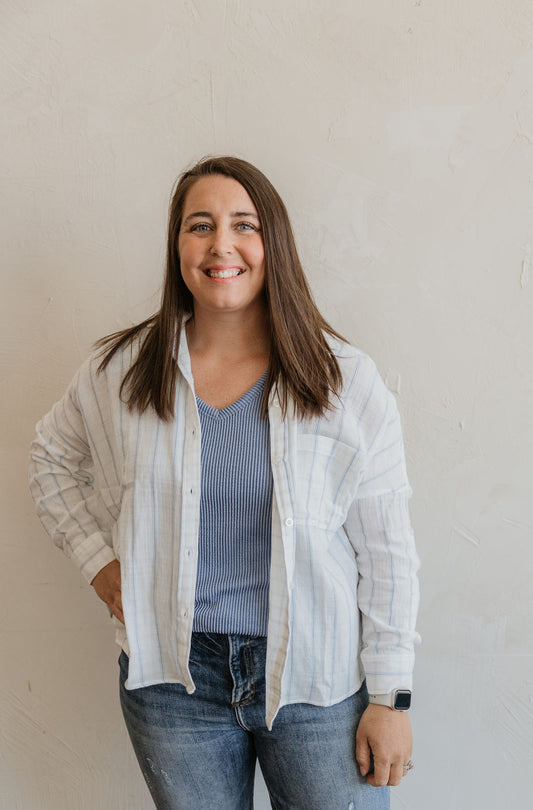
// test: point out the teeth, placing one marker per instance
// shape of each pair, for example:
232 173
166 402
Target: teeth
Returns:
224 273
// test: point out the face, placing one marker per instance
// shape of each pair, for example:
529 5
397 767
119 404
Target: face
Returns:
221 247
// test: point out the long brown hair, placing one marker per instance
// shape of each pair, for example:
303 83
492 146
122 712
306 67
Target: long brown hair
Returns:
302 367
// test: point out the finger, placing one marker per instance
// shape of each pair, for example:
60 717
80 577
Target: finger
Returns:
381 773
118 610
114 605
396 774
362 755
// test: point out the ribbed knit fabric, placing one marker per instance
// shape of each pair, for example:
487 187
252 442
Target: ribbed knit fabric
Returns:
235 518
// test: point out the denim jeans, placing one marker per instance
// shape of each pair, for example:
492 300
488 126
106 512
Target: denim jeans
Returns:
198 752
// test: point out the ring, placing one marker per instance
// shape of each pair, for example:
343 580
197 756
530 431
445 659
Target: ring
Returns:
410 765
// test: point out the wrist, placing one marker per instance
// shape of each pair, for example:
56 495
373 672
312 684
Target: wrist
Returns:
398 699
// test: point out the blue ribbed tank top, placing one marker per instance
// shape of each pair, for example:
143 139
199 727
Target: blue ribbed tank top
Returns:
235 517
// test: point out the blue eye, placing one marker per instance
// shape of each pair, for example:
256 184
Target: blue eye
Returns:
202 227
246 226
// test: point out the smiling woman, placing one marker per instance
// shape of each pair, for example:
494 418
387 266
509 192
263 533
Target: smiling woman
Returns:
221 250
230 477
302 367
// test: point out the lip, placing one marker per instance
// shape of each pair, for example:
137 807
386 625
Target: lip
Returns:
217 268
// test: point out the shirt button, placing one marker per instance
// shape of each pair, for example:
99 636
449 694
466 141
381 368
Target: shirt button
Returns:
289 522
185 614
189 552
193 431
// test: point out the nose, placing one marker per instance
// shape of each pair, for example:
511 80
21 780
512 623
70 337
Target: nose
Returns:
221 243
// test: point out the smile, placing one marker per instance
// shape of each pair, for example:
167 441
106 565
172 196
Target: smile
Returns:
228 272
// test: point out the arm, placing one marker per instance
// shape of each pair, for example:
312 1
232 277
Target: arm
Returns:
64 486
379 529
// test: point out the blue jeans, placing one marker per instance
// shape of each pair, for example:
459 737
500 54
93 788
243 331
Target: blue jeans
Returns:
199 751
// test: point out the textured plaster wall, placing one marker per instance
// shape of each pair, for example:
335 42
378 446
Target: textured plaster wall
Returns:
400 133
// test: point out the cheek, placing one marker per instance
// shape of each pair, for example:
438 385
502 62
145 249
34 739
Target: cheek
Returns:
186 253
179 250
257 254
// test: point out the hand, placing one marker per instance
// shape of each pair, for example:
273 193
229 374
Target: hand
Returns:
107 584
387 734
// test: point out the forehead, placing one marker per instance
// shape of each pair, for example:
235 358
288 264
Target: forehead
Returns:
217 193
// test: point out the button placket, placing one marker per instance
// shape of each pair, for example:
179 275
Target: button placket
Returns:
190 491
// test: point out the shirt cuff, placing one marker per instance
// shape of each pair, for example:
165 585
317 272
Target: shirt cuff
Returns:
386 673
93 554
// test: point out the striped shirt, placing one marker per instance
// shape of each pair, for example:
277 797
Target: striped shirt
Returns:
113 484
235 517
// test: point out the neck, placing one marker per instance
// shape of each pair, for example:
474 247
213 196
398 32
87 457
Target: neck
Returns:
229 335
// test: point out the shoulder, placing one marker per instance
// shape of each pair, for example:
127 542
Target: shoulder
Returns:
100 377
359 371
364 398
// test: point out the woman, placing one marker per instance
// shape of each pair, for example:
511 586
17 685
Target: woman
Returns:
229 475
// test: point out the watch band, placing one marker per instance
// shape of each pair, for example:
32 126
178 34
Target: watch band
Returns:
398 699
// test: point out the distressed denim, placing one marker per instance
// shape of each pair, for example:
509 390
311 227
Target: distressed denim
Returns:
198 752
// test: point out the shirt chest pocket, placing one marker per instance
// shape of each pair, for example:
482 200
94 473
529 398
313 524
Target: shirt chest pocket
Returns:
327 476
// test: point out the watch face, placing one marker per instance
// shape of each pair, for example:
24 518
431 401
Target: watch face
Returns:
402 700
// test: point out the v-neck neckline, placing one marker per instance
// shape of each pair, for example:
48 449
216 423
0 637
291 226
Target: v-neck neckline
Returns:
245 400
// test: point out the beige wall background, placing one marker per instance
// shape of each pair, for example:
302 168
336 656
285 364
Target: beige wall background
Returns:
400 134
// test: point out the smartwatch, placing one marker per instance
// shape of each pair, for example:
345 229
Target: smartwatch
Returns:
398 699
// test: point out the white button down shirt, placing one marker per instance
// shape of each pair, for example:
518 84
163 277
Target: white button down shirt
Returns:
113 484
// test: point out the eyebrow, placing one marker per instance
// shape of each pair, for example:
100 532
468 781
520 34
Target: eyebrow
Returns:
210 216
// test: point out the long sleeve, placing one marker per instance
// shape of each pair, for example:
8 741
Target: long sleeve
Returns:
379 529
76 500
